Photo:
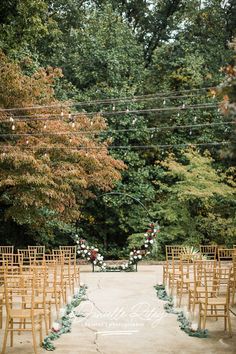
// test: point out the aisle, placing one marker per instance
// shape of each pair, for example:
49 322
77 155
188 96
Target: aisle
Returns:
124 316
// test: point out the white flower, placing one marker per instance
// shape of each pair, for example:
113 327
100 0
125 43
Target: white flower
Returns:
146 235
104 264
131 253
131 258
151 241
135 257
56 326
96 249
155 230
146 245
89 253
62 312
139 256
138 251
82 246
146 241
94 262
88 258
85 251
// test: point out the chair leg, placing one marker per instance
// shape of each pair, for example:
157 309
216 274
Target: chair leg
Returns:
229 323
11 334
200 316
5 336
34 337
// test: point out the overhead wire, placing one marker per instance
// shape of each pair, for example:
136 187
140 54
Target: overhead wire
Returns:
49 116
161 95
150 129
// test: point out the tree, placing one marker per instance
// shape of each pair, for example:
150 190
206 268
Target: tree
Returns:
191 200
47 169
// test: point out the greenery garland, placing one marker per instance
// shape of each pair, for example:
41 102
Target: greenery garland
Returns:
184 324
91 253
63 325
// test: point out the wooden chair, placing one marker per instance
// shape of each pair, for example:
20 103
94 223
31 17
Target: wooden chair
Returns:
215 302
54 292
174 271
185 278
209 251
72 250
225 256
39 253
203 270
233 281
6 249
167 265
62 277
18 289
29 256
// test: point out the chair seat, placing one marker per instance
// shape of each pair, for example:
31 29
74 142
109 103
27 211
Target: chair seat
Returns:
25 313
214 301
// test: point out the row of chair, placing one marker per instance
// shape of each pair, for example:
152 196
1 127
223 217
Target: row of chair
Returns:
208 283
33 284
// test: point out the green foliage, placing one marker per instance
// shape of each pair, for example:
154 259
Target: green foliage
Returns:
192 197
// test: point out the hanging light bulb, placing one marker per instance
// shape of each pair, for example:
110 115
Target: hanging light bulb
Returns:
113 107
45 126
178 114
127 109
70 140
11 119
164 102
3 154
69 116
62 114
190 132
134 121
27 142
183 105
73 124
13 127
195 119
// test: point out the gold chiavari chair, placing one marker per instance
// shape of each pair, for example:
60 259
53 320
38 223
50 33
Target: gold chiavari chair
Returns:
19 292
53 290
203 270
75 268
29 256
6 249
233 280
174 271
215 303
61 278
40 252
225 256
185 278
11 265
209 251
167 264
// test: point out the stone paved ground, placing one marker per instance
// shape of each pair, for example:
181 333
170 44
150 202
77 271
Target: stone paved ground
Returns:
124 316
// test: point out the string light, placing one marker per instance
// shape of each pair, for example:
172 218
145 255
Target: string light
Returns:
141 147
157 128
13 127
160 95
45 126
109 113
